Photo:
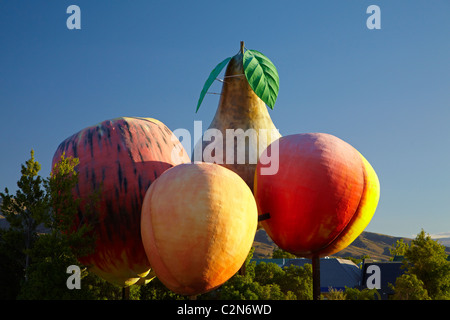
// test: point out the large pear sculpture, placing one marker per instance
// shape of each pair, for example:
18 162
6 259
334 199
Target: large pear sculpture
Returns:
242 128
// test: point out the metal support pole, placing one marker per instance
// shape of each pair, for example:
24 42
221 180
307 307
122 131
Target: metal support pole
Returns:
316 277
126 293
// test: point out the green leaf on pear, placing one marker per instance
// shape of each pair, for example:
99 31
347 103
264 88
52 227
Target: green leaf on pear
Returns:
213 75
262 76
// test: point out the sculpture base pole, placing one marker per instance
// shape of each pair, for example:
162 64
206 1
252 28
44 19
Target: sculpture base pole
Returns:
126 293
316 277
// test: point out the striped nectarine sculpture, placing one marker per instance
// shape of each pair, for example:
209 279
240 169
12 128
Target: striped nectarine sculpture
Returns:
322 197
121 157
198 223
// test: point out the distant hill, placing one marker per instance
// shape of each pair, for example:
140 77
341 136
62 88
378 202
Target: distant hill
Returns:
444 241
375 245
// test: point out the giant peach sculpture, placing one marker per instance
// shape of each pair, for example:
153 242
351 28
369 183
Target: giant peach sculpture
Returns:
322 197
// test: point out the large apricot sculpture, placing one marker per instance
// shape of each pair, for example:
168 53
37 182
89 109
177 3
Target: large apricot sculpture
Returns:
198 223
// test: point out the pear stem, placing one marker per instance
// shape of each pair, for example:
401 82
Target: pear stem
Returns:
242 47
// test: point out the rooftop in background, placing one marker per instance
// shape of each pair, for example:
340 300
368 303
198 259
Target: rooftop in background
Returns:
334 272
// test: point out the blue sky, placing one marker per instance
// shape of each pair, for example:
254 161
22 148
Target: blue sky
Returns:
386 91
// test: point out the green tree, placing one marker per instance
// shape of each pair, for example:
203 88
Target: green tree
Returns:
69 237
358 260
240 287
266 281
365 294
25 211
398 249
409 287
279 254
335 294
297 280
12 257
33 265
47 272
267 273
70 227
426 258
155 290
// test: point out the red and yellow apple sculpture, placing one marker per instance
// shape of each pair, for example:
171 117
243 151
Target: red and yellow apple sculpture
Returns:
322 197
121 157
198 223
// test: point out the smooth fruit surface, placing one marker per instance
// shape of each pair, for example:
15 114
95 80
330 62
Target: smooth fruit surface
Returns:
242 112
122 157
322 197
198 225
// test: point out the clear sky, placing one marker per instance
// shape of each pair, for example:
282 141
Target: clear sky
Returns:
385 91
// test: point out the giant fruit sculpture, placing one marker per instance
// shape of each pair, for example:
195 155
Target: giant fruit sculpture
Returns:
198 225
121 157
242 118
322 197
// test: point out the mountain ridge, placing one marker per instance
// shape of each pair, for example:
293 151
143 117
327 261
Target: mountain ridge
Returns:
374 245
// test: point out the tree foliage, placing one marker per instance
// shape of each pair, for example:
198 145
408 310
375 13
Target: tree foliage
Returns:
262 281
12 263
427 270
25 211
34 262
279 254
68 224
364 294
409 287
268 281
398 249
427 259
